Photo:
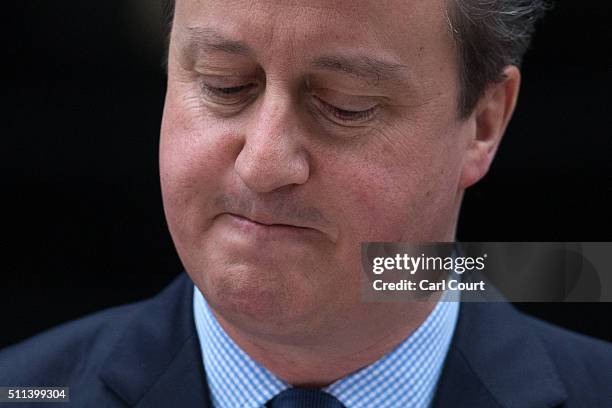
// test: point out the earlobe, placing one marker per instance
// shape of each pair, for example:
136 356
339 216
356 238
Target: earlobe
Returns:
491 117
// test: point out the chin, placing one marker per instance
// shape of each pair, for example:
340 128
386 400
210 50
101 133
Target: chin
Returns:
256 297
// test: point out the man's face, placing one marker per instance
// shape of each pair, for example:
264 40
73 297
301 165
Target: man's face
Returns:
294 131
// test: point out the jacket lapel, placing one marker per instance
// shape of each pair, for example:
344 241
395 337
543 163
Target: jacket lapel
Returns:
157 361
496 360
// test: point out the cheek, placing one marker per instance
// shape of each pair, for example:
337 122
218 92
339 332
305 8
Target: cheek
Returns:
374 207
195 156
403 192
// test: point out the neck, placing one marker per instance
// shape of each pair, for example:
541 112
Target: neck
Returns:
318 360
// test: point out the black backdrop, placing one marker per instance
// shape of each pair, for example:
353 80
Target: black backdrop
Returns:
81 207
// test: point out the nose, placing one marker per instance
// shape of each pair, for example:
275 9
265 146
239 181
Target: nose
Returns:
273 155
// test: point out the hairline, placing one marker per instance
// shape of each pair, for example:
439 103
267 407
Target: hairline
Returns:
464 107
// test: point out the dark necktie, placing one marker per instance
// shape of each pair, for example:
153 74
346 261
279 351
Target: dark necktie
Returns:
304 398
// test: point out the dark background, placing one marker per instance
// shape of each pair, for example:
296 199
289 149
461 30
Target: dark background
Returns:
81 205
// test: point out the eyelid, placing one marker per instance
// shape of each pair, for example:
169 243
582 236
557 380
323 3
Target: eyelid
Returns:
358 116
344 109
214 97
226 81
217 82
229 90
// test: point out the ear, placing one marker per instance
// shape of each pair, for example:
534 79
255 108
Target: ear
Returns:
491 116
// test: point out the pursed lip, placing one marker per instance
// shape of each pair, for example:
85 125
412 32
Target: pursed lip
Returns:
263 229
267 222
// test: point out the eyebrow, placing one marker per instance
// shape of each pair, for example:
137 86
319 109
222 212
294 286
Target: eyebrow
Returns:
206 39
360 66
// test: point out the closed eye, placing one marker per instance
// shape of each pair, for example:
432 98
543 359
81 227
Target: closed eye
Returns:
345 115
221 92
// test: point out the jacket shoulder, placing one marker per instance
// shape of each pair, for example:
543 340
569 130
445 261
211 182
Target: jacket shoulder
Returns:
583 363
60 355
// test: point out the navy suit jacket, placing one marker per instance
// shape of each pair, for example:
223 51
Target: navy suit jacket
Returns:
147 354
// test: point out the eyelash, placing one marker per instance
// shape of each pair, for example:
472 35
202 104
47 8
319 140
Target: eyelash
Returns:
225 92
347 115
340 114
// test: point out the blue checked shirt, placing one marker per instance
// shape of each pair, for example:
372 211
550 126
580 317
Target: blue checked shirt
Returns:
406 377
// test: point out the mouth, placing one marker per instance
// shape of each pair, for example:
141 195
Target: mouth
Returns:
264 223
267 230
240 218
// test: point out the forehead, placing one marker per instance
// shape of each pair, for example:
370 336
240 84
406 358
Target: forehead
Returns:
412 32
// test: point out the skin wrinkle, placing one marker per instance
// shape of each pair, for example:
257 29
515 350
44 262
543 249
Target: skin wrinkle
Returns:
208 40
280 157
361 67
